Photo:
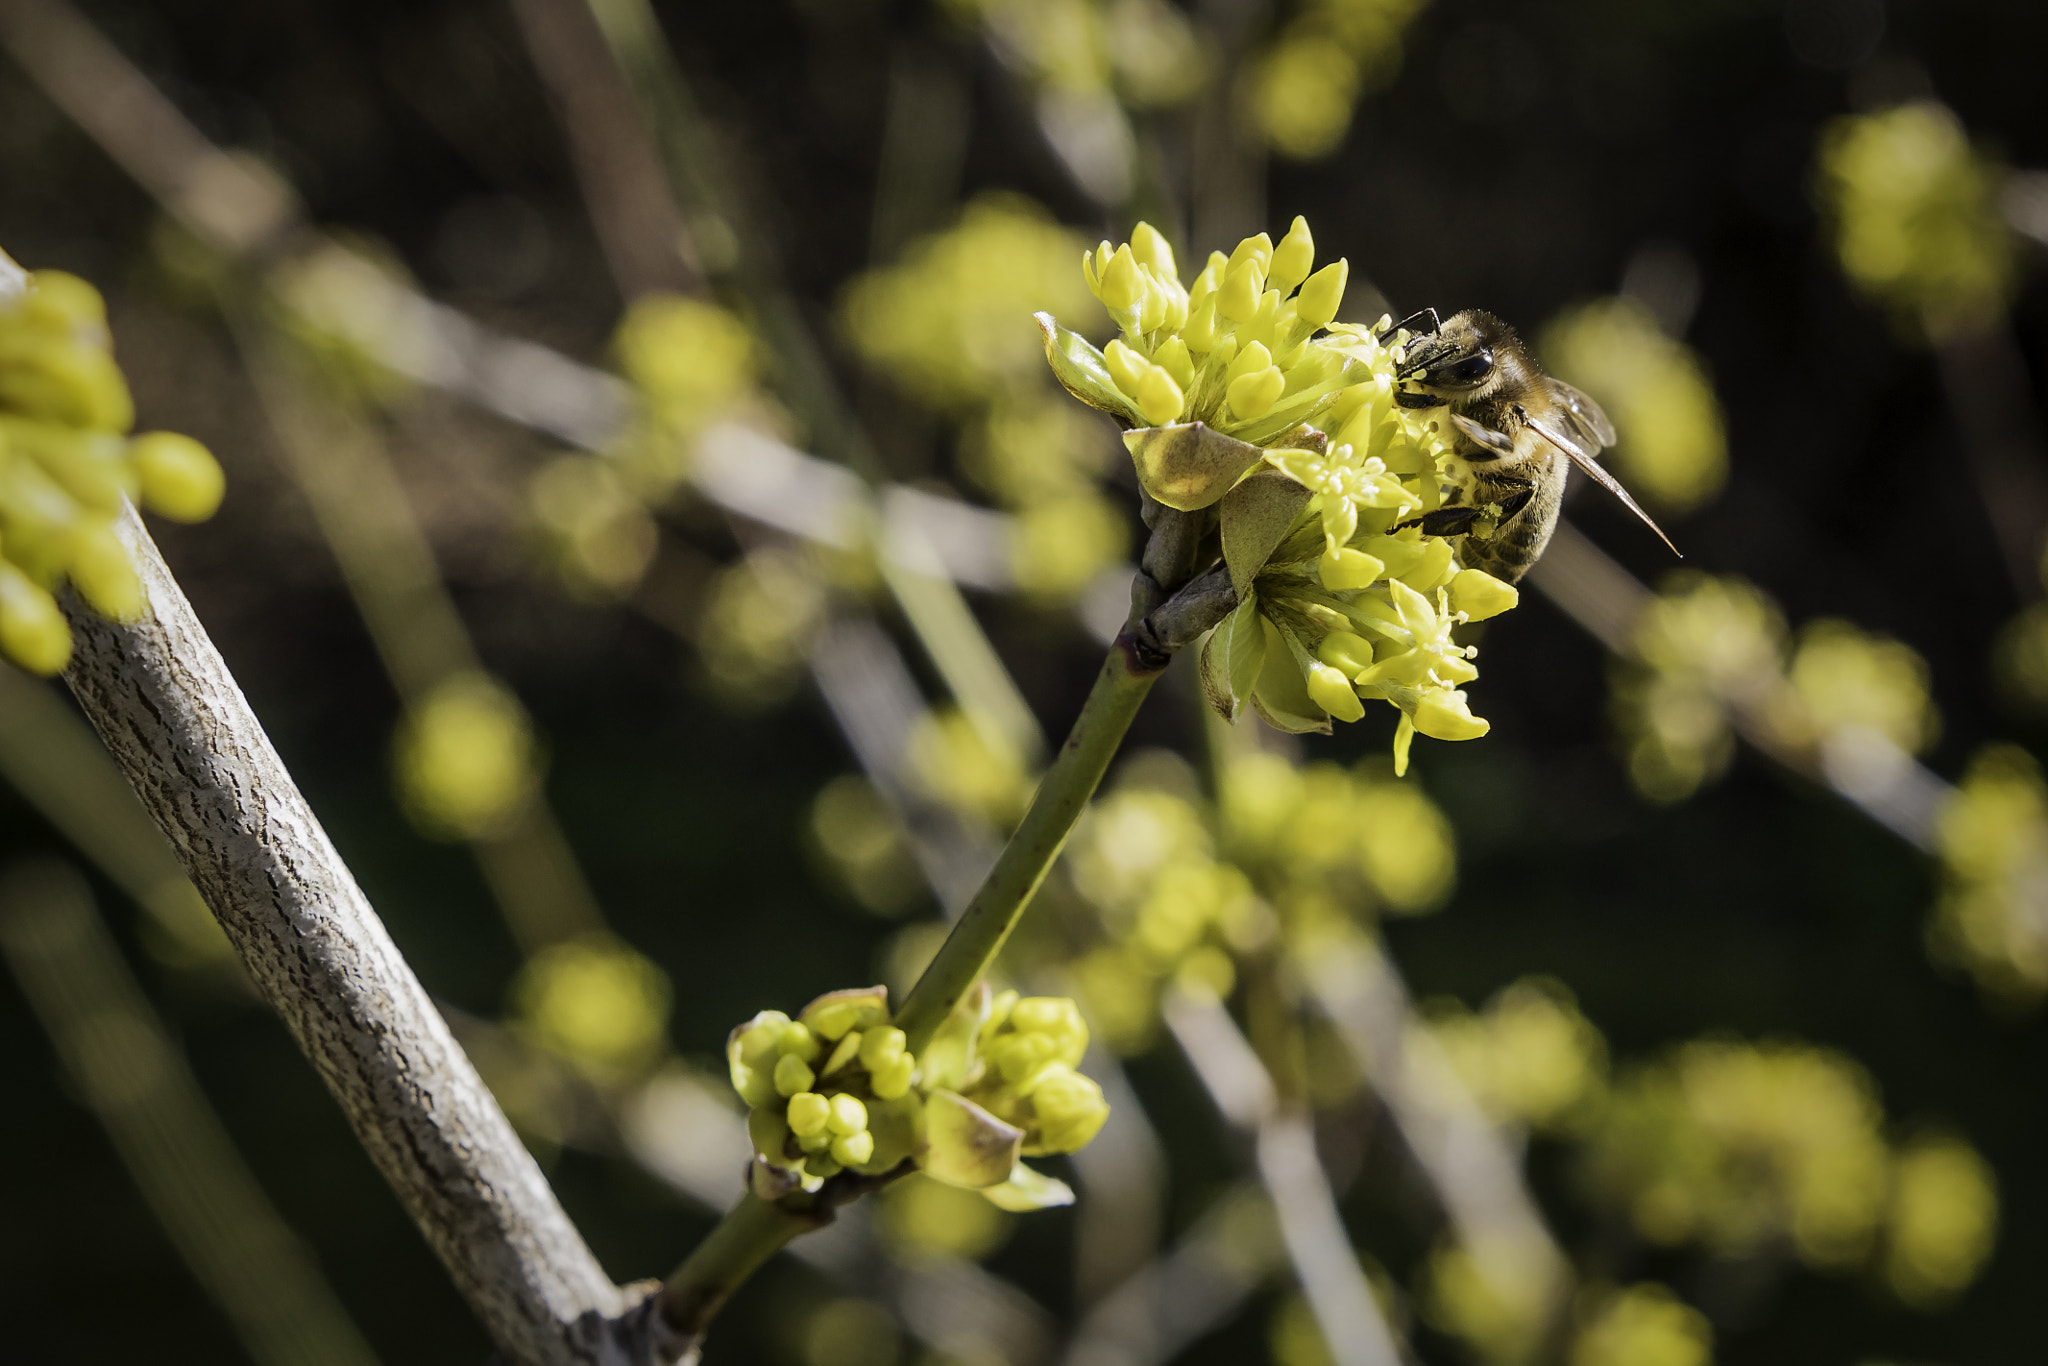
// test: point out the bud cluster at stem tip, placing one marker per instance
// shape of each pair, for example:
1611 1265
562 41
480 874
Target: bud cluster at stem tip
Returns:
1244 395
835 1090
66 464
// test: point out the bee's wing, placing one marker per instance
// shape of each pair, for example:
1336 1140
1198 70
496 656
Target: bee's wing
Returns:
1584 418
1584 460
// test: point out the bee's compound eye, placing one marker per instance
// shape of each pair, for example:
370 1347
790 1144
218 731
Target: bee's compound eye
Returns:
1471 370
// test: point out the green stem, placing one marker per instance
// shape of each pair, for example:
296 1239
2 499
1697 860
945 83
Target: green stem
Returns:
1025 860
750 1233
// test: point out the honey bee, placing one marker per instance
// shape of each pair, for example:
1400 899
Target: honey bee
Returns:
1517 432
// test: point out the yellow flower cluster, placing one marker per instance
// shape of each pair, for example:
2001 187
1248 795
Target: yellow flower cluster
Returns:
826 1091
1674 441
466 758
1144 53
1643 1325
943 325
1185 891
1737 1146
596 1001
66 465
690 362
1917 221
1030 1048
1993 841
1707 645
1243 395
755 624
1300 92
1530 1059
836 1090
1144 859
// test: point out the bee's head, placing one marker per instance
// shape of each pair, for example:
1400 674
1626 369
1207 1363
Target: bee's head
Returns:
1465 355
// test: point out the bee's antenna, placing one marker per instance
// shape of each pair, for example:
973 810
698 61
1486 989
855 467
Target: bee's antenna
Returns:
1435 324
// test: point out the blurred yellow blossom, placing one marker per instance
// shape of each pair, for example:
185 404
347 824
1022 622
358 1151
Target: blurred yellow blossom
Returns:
1060 544
1942 1220
1501 1319
596 1001
689 360
1737 1145
465 758
1300 91
1674 443
1643 1325
925 1218
1701 644
755 626
1843 676
1993 840
593 532
1916 216
950 323
859 836
1530 1058
968 767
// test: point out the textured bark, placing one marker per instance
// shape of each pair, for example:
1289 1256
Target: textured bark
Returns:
181 730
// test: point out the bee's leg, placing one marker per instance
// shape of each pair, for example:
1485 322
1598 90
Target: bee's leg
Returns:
1445 521
1410 398
1514 503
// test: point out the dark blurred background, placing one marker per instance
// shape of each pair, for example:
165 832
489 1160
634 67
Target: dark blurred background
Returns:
1520 157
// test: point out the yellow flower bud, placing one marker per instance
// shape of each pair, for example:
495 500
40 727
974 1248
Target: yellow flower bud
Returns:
104 574
821 1166
1430 567
849 1116
892 1080
1149 245
793 1074
1331 691
1153 308
1201 328
1172 357
1259 248
1479 595
808 1113
798 1041
1250 360
1123 284
1323 294
880 1048
180 478
1253 396
1126 367
1159 398
1069 1110
1293 258
1210 280
1342 568
1238 300
1446 714
1348 653
32 630
853 1149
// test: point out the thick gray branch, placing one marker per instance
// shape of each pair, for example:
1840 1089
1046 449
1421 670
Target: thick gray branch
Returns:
175 720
